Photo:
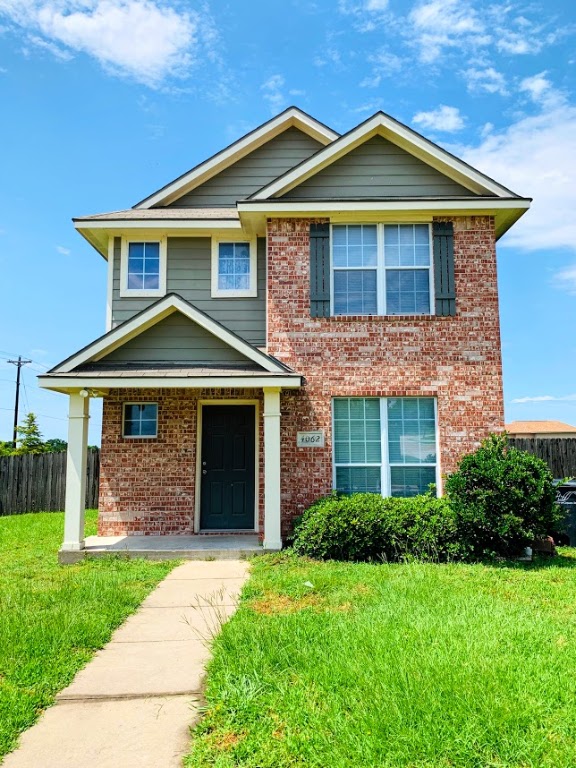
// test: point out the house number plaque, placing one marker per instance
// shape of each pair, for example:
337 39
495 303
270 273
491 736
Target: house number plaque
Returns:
310 439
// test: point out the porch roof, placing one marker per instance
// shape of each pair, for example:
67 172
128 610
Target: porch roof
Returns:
100 377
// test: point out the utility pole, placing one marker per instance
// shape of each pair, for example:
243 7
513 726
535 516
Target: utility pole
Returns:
18 363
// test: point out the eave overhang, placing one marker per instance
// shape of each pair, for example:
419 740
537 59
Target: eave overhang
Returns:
506 211
101 385
98 231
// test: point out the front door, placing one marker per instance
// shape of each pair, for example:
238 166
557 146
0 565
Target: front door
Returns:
228 467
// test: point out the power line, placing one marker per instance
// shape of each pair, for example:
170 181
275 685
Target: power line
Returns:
45 415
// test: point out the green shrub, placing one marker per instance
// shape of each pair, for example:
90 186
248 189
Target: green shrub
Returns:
365 526
502 498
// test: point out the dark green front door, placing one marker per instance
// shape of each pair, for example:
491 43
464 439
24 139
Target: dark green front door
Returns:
228 468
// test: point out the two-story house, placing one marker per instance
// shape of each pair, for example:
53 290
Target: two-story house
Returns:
303 311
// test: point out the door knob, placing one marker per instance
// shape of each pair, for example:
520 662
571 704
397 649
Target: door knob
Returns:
204 471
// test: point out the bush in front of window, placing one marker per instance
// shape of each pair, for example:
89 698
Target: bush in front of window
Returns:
365 527
503 499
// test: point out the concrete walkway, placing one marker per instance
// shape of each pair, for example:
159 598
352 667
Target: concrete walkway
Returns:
133 704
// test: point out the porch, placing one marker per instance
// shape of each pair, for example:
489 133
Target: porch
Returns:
199 547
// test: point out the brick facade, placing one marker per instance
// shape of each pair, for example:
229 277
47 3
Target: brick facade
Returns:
148 486
455 359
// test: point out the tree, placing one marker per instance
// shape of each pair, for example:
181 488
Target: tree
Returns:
55 445
6 448
29 436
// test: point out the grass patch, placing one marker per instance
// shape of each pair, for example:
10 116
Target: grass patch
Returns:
53 618
390 666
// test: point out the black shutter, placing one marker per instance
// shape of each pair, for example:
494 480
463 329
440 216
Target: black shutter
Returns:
444 268
320 270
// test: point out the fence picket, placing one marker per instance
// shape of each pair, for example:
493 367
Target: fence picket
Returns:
37 483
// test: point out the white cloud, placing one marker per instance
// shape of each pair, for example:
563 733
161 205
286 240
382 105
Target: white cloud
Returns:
384 63
565 279
536 157
542 92
439 24
446 119
329 56
63 251
485 79
146 40
273 90
544 399
55 50
355 8
368 15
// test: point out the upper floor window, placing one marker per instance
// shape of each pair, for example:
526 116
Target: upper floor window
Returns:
233 268
382 269
143 268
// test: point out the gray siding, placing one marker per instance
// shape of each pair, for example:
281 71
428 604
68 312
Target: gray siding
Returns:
175 339
188 275
376 168
251 173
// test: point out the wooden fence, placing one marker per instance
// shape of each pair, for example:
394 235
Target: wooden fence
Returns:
558 452
37 483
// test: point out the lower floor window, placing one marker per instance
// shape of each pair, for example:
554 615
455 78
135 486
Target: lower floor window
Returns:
384 445
140 420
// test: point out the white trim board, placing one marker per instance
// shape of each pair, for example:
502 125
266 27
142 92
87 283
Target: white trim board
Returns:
291 117
149 317
383 125
110 283
73 384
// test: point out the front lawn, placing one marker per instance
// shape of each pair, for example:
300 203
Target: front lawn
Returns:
381 666
53 618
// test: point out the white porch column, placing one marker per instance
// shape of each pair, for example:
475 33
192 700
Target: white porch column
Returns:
272 537
78 416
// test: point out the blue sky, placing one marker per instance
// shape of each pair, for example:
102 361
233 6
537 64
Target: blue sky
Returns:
104 101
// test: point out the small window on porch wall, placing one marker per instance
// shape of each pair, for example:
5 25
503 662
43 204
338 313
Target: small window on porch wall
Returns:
233 268
140 420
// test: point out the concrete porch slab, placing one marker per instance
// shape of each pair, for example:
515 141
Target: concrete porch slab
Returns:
201 547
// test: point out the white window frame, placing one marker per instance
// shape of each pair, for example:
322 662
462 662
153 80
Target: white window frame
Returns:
138 437
384 464
381 268
126 292
221 293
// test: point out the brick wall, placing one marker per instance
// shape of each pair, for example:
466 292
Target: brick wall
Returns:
147 486
456 359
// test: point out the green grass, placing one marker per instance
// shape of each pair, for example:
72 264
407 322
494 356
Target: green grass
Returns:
420 666
53 618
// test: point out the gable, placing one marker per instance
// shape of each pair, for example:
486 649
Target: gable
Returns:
402 137
377 168
152 316
252 172
175 339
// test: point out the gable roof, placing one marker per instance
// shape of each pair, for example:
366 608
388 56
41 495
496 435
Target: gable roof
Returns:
401 135
291 117
158 311
543 427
